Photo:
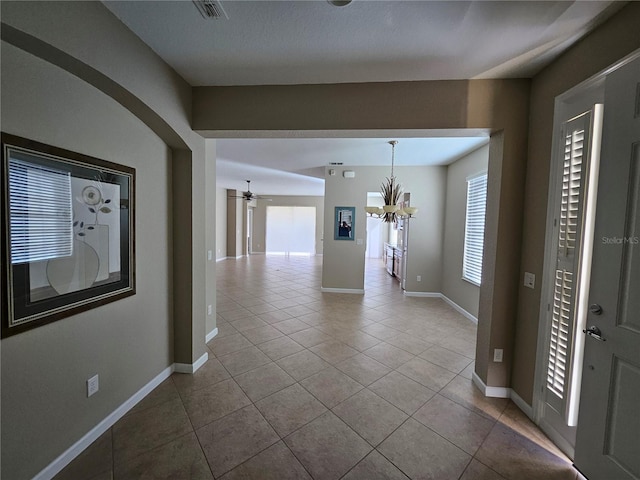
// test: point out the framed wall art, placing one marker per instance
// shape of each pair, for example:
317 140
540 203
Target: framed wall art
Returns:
344 223
67 233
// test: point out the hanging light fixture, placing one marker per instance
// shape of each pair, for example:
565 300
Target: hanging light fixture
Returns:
391 192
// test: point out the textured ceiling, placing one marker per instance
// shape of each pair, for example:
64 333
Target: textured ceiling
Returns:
292 42
296 42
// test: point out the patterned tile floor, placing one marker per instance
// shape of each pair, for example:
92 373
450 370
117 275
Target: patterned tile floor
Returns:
302 384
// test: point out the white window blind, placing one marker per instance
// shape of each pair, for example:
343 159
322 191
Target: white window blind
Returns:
560 338
570 209
40 212
474 229
291 230
569 218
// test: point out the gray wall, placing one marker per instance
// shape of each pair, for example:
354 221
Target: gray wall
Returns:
260 218
128 342
463 293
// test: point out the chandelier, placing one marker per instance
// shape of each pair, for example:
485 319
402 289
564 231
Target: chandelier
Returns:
391 191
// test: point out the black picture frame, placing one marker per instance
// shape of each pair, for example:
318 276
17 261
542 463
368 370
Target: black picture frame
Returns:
94 235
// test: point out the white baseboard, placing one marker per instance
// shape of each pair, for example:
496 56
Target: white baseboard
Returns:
496 392
109 421
460 309
342 290
422 294
191 367
446 299
522 405
221 259
211 335
503 392
77 448
557 439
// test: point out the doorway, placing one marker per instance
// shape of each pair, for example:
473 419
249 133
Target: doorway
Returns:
575 281
565 281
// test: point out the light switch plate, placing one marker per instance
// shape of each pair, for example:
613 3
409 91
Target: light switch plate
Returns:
497 355
93 385
529 280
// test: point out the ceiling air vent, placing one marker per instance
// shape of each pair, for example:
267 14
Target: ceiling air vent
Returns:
210 9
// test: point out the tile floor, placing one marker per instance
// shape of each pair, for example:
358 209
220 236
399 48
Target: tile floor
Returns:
301 384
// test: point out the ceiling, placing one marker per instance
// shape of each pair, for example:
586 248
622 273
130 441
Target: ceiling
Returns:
301 42
299 163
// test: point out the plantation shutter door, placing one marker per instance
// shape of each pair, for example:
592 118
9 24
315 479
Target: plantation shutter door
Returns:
569 223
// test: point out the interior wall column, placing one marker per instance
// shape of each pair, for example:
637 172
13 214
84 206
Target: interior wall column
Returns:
189 269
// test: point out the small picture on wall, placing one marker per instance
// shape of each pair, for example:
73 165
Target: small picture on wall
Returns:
345 223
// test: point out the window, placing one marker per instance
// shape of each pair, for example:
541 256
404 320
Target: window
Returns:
291 230
40 207
573 226
474 228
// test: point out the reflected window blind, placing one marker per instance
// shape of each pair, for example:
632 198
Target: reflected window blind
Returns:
40 212
474 229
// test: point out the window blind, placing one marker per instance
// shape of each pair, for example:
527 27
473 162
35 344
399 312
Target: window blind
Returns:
474 229
40 212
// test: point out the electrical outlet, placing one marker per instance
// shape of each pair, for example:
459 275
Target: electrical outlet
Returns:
93 385
497 355
209 255
529 280
419 278
209 309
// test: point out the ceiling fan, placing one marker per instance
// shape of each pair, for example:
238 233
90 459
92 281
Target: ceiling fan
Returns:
249 195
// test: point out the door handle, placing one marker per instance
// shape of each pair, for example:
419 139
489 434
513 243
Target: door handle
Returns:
594 332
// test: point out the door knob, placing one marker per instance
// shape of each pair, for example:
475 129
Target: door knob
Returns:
595 309
594 332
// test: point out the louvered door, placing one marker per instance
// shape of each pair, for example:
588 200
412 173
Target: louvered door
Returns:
566 286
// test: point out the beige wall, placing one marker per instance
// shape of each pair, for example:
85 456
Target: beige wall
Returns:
615 39
85 39
260 218
498 106
108 68
463 293
235 224
39 423
343 263
221 223
211 236
128 342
